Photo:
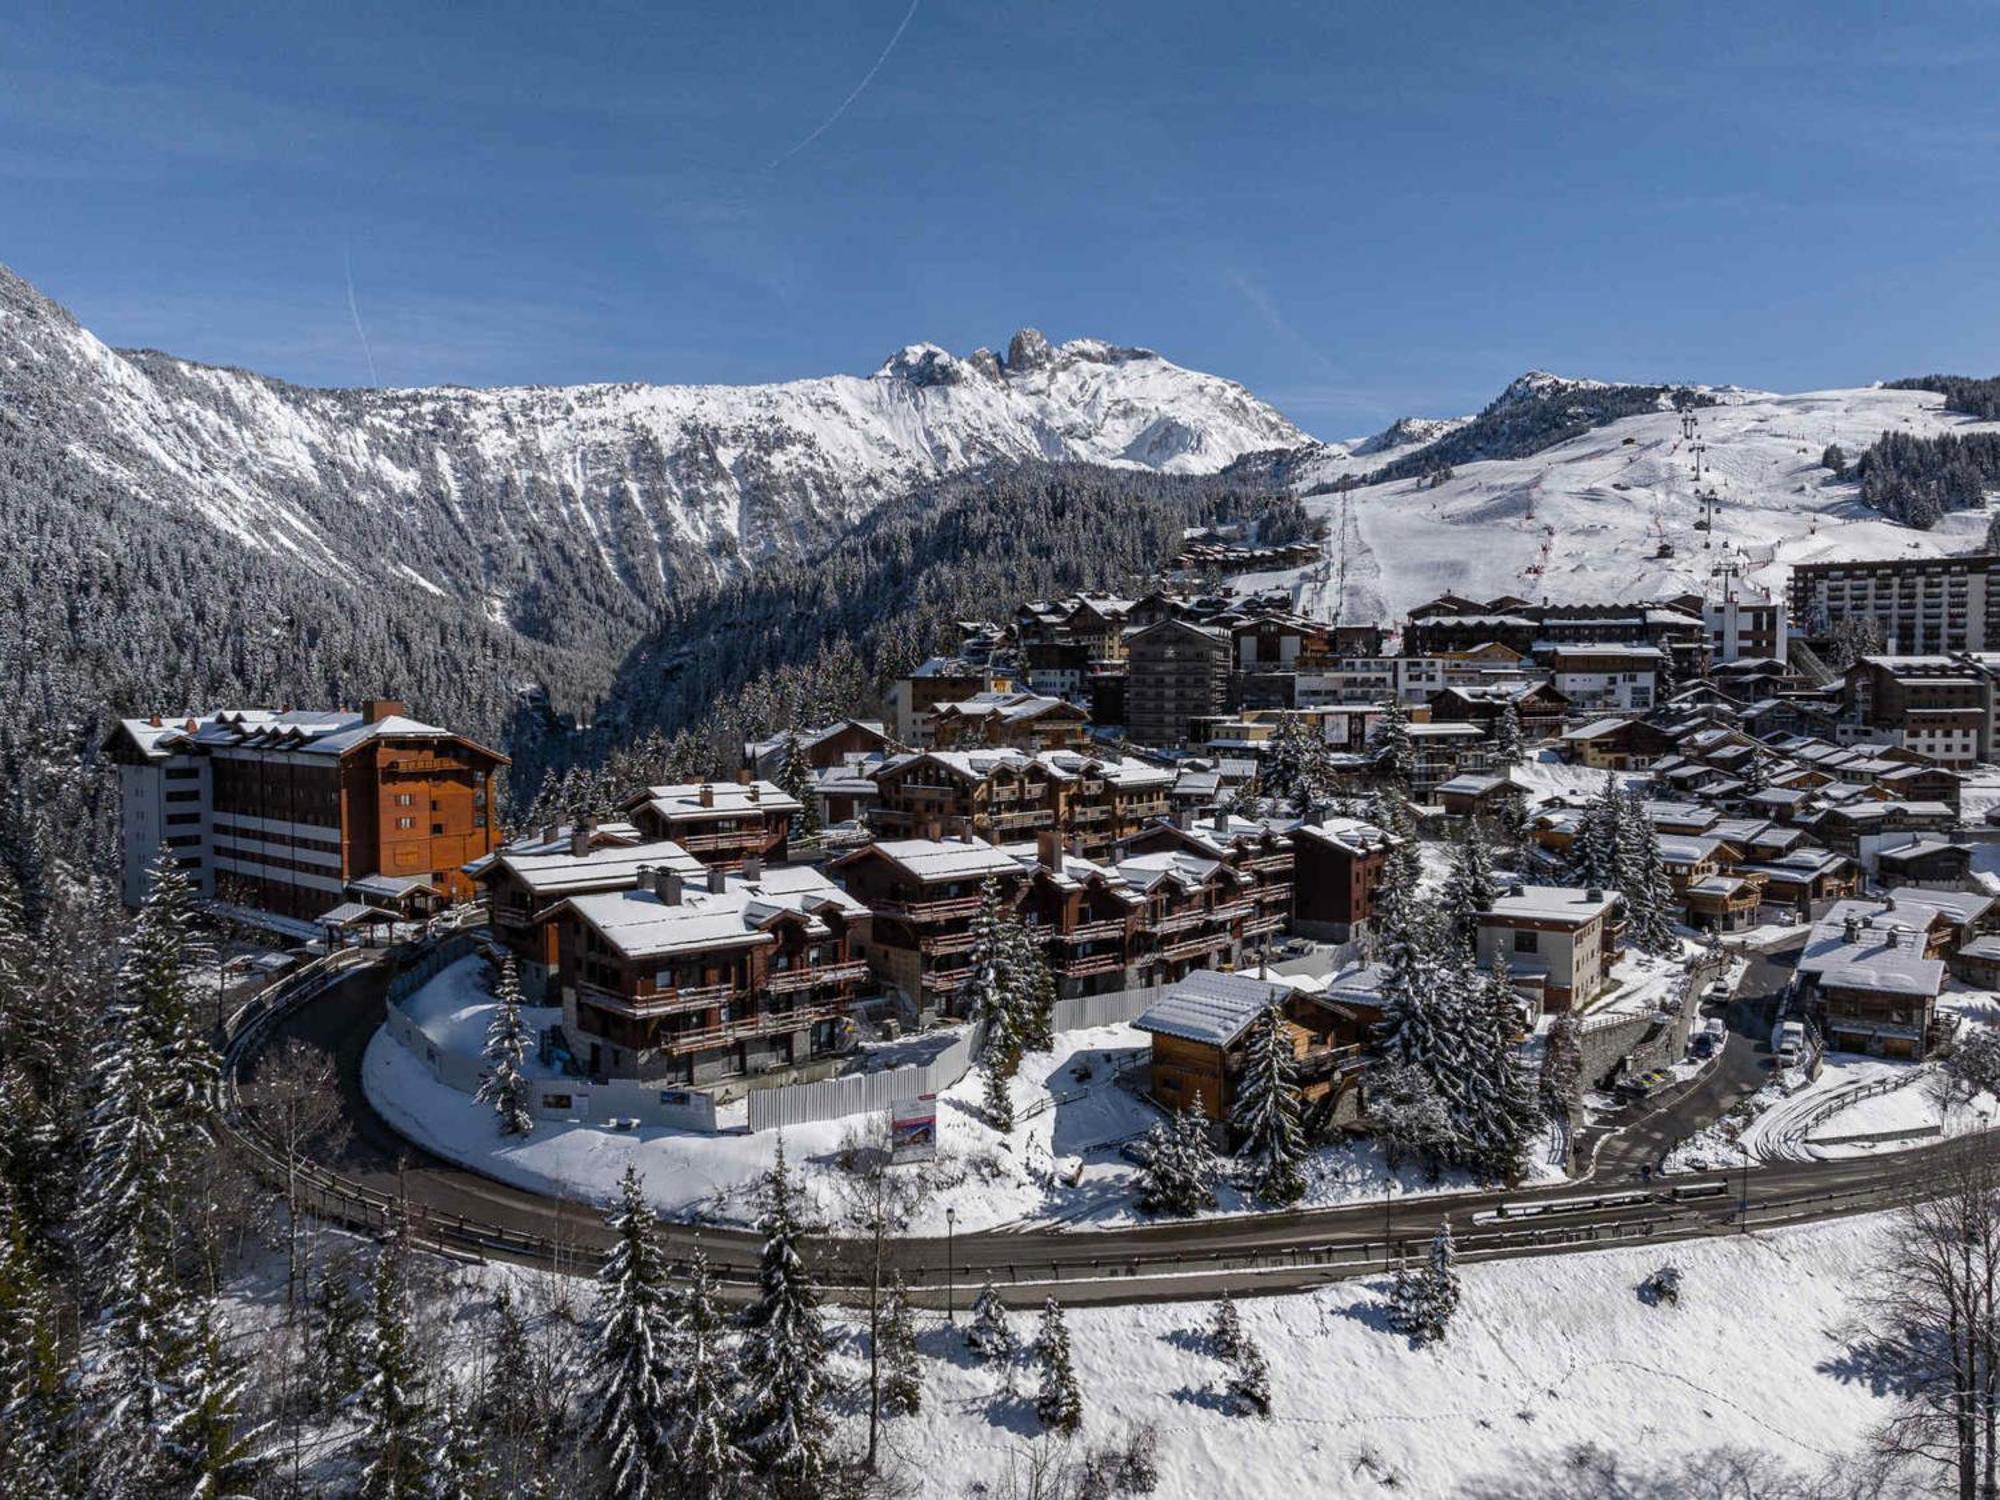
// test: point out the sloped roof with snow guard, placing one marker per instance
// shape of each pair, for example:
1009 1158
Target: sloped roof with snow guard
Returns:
1211 1008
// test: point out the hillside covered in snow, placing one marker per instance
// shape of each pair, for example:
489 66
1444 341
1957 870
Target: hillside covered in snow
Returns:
1610 514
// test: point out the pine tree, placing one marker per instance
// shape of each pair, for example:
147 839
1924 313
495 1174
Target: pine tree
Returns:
459 1468
1058 1400
992 990
1559 1085
1509 1119
509 1406
988 1335
707 1464
1225 1329
395 1413
1595 852
1407 1114
788 1428
338 1342
996 1094
39 1456
1509 747
1033 985
1266 1113
1249 1384
210 1447
1180 1171
503 1084
1396 888
795 780
1395 760
1645 886
626 1408
902 1370
1469 888
1425 1298
1296 765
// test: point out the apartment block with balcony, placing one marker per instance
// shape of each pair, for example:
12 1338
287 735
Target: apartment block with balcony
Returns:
1921 605
1260 850
698 982
923 894
721 823
530 874
1004 795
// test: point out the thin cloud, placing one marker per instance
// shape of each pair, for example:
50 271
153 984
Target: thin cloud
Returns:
867 78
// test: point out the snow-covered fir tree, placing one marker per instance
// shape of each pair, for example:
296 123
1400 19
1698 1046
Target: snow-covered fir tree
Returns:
1395 759
996 1092
511 1404
1423 1003
625 1410
1559 1083
1249 1382
1645 886
337 1340
1296 766
1266 1112
787 1425
989 1334
1469 888
394 1404
40 1455
503 1084
1033 984
902 1367
795 780
1425 1297
1396 888
460 1469
1509 745
1225 1328
1408 1116
1058 1399
1595 855
706 1463
1180 1171
1506 1120
211 1446
993 987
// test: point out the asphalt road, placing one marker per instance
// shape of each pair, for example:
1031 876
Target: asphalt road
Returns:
459 1209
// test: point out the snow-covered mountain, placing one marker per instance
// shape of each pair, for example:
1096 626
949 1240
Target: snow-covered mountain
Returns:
1590 517
499 496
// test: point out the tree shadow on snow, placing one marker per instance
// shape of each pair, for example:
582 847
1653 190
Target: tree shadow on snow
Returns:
1206 1398
1884 1365
1189 1340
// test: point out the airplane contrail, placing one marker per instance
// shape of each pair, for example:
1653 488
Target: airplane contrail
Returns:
867 78
354 310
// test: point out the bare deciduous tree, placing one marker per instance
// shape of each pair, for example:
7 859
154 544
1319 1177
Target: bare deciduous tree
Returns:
296 1099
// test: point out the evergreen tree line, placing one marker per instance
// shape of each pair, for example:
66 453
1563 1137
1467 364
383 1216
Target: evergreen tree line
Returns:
1962 393
1918 481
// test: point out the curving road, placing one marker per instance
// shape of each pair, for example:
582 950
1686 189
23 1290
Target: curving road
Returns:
458 1211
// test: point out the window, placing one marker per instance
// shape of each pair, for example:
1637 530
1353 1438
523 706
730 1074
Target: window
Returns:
436 829
1527 942
406 822
403 799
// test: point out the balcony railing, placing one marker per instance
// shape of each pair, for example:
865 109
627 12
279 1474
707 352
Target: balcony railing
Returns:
1188 948
1096 963
1230 911
1089 814
1177 921
660 1002
804 979
1031 817
948 942
947 979
1090 932
1258 926
740 838
943 909
763 1023
1268 894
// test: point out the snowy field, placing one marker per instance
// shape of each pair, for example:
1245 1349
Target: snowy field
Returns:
1545 1354
1583 520
1075 1107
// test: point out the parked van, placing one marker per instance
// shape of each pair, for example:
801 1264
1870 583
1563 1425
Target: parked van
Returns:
1789 1042
1712 1038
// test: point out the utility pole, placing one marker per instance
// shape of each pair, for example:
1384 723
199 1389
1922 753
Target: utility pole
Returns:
950 1271
1698 450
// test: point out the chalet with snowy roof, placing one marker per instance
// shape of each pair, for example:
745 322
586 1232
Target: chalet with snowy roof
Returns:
1725 901
700 982
1260 850
285 811
1005 794
1940 705
530 874
1804 877
1337 865
829 745
721 823
1088 918
1559 943
1539 707
1480 795
924 894
1201 1030
1178 671
1928 860
941 679
1869 979
1615 744
1864 828
1028 722
1605 677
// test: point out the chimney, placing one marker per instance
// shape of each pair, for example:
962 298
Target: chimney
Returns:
743 778
1517 891
548 833
1889 902
707 795
155 721
753 867
756 792
718 880
1183 818
1048 850
1594 893
579 842
1076 845
375 710
1850 930
667 885
932 831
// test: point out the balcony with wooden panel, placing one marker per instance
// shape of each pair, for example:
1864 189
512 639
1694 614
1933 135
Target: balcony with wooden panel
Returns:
786 981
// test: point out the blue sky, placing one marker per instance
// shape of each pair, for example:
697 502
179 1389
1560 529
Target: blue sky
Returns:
1358 211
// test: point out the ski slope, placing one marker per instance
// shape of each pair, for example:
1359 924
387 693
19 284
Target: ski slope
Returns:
1585 519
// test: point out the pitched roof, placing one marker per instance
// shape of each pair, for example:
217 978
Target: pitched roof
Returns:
1210 1007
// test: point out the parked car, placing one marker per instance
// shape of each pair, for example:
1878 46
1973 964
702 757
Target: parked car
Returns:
1789 1042
1646 1084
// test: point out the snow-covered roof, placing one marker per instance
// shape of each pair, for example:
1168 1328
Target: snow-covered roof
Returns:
936 860
1596 729
1472 785
605 867
1680 849
1350 834
300 731
1210 1007
1550 903
708 801
639 924
1961 908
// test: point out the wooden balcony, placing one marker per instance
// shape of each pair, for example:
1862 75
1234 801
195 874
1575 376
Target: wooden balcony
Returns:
1089 814
762 1023
947 979
1193 947
804 979
1090 932
948 942
1179 921
1233 910
1260 926
944 909
1094 963
660 1002
749 840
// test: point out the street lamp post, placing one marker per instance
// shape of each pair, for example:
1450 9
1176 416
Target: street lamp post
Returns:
950 1271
